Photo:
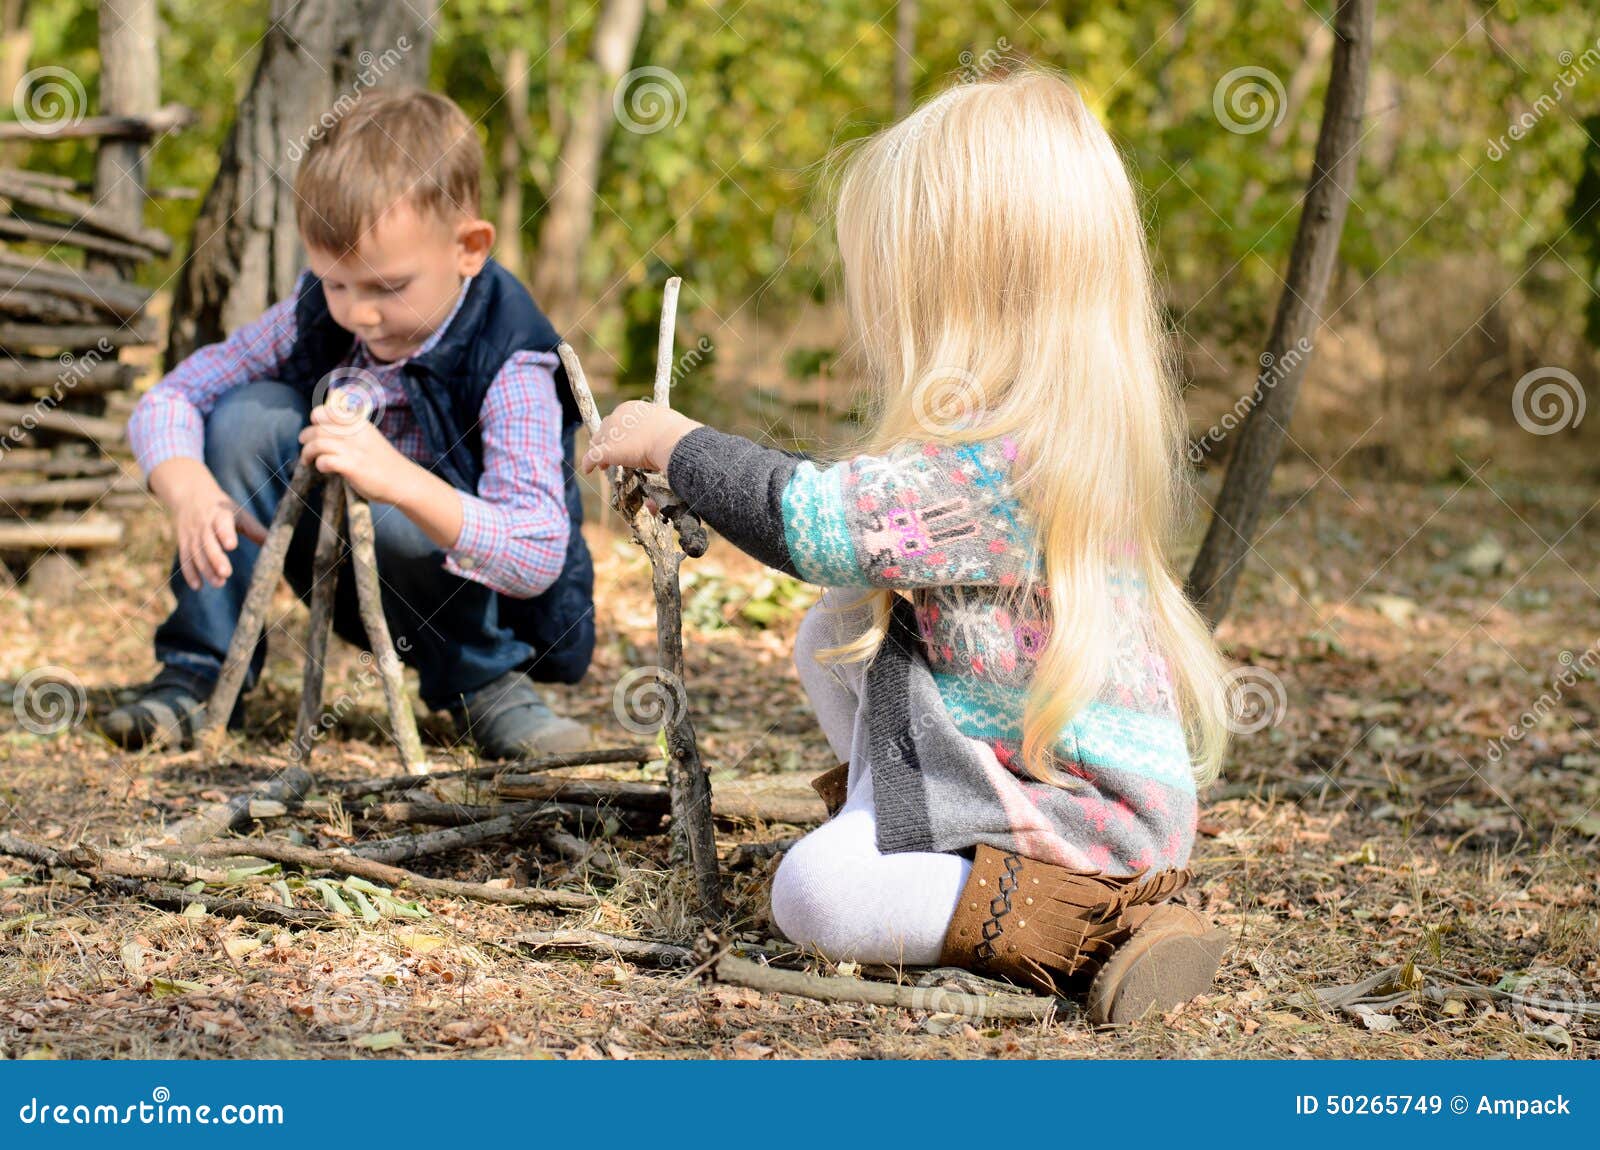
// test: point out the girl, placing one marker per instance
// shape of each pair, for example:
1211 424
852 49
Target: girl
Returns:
1023 701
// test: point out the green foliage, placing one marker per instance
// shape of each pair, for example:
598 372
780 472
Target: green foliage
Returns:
728 191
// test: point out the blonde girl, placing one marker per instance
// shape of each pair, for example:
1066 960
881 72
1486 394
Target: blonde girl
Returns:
1022 700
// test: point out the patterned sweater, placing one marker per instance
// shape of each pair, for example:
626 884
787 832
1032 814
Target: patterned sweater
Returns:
947 691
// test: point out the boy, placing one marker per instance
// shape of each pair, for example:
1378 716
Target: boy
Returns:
413 365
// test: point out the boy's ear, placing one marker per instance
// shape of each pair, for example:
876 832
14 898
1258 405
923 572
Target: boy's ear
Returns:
474 241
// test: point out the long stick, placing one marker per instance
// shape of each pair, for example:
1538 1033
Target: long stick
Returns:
693 835
252 616
343 862
325 581
364 551
603 755
742 972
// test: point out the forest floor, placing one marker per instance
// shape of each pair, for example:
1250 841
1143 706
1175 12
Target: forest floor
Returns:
1409 627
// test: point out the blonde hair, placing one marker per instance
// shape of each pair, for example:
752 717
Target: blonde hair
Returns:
997 276
393 144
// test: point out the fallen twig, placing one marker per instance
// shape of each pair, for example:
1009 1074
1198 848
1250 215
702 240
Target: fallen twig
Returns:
359 787
737 971
343 862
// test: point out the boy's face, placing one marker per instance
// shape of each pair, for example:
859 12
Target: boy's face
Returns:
402 279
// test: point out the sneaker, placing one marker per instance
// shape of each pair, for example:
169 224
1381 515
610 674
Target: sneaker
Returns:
169 712
507 719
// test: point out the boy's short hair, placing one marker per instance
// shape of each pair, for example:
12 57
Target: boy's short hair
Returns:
393 144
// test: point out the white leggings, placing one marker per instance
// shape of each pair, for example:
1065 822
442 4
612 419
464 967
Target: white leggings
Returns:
835 891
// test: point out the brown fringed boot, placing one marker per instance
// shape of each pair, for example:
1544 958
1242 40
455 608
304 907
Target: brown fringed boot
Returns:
1053 927
832 785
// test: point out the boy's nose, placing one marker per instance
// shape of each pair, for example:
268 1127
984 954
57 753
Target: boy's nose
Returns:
365 315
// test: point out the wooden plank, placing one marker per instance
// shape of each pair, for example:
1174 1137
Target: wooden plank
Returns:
43 232
18 375
45 307
14 416
25 191
15 335
104 293
83 534
57 492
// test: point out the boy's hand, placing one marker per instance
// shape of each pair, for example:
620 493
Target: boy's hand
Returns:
207 520
343 441
637 434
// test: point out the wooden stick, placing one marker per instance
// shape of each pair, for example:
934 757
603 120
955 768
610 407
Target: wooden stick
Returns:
343 862
436 813
369 593
56 492
108 375
252 616
595 757
223 906
745 856
797 810
403 848
324 583
102 220
669 326
594 944
83 533
737 971
45 308
110 295
43 417
40 232
167 118
72 335
694 837
38 461
234 814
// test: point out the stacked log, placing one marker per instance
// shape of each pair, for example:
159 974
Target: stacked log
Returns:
69 310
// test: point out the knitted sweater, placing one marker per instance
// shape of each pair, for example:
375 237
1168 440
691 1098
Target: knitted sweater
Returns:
947 689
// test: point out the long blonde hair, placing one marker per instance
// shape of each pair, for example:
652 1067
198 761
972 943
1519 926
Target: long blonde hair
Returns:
998 283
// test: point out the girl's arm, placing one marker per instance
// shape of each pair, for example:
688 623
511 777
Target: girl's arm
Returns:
922 515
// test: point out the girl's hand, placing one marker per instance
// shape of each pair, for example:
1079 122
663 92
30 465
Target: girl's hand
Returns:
348 444
637 434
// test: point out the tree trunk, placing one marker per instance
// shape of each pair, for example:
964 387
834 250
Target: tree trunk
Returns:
905 54
1237 514
569 216
317 58
508 232
16 41
130 85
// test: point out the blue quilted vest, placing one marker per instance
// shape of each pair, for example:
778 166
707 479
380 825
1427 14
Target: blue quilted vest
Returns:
446 387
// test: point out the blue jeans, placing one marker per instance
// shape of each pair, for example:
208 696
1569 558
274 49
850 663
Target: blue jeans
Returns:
448 628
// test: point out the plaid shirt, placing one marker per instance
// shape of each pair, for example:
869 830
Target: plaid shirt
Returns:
513 531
